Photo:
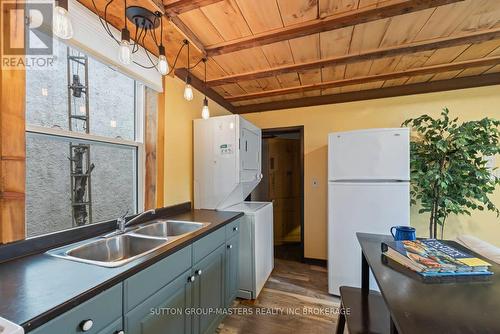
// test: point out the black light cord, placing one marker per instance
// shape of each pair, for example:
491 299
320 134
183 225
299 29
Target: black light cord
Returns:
140 35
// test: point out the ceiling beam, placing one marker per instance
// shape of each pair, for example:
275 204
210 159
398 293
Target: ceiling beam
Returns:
158 5
491 61
399 50
388 9
182 6
182 74
190 36
419 88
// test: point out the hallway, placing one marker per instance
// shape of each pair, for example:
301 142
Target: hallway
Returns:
294 300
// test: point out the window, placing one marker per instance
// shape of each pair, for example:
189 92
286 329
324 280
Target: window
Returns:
84 138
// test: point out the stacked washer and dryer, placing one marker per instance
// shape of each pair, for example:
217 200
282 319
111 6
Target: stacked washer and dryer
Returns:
227 167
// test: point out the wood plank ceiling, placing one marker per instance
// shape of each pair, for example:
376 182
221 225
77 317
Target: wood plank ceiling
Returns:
272 54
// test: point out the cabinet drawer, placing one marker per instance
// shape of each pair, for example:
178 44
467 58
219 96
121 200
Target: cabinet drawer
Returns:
208 244
102 310
232 228
145 283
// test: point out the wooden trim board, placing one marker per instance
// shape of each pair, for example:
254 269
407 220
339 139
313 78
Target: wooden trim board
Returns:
491 61
182 74
419 88
399 50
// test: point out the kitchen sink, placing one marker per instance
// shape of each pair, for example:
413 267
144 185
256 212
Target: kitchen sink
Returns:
115 249
169 228
111 252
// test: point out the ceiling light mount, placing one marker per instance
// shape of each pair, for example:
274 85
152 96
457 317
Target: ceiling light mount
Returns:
143 18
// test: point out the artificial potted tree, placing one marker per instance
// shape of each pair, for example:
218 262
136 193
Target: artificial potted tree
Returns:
449 172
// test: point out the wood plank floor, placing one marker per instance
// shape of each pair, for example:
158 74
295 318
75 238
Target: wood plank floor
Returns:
295 299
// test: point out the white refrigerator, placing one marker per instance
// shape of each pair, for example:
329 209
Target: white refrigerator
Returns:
368 191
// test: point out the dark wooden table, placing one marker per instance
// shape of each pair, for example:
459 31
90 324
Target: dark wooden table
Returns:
413 305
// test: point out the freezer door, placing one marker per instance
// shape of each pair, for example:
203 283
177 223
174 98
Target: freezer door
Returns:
264 246
376 154
360 207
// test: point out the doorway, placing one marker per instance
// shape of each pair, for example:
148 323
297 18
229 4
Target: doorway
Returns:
283 184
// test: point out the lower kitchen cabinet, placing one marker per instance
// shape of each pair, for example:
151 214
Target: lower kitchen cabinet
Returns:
99 315
184 293
209 291
232 265
164 312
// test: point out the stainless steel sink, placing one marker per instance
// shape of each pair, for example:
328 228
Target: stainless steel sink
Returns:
169 229
111 252
114 250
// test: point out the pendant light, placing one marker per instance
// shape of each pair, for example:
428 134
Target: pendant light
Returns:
162 59
61 23
124 51
188 90
205 112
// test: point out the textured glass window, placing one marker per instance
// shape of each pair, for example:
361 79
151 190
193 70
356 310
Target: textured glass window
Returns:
82 146
96 98
49 203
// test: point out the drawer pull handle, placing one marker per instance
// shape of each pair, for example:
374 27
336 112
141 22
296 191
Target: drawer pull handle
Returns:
235 228
229 246
191 279
86 325
198 272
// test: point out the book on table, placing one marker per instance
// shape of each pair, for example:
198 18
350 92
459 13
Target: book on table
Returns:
431 257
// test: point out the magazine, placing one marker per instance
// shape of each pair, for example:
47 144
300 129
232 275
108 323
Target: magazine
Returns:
430 257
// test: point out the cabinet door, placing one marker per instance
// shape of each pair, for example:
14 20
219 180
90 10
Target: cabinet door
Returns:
165 311
115 328
209 291
97 314
250 143
232 265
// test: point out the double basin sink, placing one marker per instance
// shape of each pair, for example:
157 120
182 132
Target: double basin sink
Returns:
119 249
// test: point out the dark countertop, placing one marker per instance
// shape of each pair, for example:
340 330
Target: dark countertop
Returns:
37 288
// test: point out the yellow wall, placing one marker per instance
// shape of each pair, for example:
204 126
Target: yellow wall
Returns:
178 164
318 121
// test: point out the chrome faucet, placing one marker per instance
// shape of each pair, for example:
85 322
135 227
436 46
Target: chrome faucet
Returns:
122 223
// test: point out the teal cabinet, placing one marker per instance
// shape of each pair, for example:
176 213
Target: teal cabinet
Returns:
115 328
231 269
150 280
167 311
99 315
184 293
209 291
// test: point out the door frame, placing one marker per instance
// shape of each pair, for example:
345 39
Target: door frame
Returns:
300 130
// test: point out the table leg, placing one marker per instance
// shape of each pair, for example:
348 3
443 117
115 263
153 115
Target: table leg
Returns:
394 330
365 274
341 321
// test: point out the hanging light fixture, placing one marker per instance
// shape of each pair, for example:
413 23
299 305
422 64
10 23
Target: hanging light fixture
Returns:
61 23
162 58
188 90
205 112
124 51
146 23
